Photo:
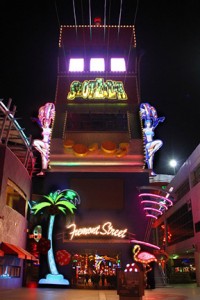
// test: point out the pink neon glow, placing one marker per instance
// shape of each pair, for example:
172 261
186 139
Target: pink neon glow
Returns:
76 65
154 202
118 65
97 64
151 216
144 243
156 196
146 256
153 209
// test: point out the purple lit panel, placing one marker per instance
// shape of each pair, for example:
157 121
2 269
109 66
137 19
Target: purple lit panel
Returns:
118 65
76 65
97 64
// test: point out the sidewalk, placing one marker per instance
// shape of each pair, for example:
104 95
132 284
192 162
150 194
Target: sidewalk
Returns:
175 292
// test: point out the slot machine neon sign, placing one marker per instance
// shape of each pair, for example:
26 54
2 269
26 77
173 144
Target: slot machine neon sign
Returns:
97 89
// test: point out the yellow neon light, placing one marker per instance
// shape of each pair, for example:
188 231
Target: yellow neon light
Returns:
106 229
97 89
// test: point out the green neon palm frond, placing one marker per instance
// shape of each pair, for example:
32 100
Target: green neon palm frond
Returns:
67 205
54 197
63 200
40 206
49 198
63 209
60 196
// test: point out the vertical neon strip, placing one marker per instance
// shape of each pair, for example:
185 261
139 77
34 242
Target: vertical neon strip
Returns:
51 260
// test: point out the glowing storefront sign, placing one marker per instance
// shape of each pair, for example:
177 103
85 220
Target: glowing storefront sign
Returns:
106 229
97 89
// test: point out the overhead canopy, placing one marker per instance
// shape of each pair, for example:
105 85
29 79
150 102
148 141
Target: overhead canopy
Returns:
1 253
10 249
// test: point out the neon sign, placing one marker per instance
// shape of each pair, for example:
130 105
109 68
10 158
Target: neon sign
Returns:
106 229
97 89
150 122
45 120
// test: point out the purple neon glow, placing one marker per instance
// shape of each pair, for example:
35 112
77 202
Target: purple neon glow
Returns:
145 243
97 64
151 216
158 200
153 209
154 202
76 65
156 196
117 65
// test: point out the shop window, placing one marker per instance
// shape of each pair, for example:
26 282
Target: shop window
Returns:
197 226
10 271
183 265
182 190
195 176
95 270
15 198
181 225
161 235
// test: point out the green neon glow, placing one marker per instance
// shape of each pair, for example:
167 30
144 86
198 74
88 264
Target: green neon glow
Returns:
92 163
56 202
97 89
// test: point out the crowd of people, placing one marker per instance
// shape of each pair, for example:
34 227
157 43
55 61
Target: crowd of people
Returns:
97 280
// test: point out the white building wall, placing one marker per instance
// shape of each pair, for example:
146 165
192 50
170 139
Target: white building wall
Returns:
193 195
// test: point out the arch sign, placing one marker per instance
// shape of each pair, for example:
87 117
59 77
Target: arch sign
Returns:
106 229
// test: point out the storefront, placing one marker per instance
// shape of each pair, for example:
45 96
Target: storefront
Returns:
96 239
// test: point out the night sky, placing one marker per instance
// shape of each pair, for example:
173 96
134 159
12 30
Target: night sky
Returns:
167 33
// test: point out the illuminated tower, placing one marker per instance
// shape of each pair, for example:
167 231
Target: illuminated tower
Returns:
97 114
96 146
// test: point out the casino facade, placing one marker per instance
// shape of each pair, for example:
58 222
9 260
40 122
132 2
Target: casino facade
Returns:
92 145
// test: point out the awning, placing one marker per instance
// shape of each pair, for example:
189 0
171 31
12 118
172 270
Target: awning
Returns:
1 253
7 248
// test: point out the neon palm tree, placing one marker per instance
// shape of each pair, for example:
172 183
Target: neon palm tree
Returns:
57 202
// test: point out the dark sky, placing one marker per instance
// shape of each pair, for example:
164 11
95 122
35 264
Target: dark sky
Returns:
167 32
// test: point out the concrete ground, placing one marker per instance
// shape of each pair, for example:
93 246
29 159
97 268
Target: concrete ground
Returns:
173 292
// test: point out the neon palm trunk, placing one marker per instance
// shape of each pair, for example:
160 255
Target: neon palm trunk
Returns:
51 260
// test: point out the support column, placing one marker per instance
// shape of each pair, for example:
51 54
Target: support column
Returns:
197 263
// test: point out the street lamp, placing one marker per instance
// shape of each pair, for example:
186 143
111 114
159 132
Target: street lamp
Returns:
173 164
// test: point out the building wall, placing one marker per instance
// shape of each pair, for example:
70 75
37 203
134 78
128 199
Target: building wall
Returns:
13 226
186 189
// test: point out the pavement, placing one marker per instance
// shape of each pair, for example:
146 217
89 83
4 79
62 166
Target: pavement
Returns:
173 292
